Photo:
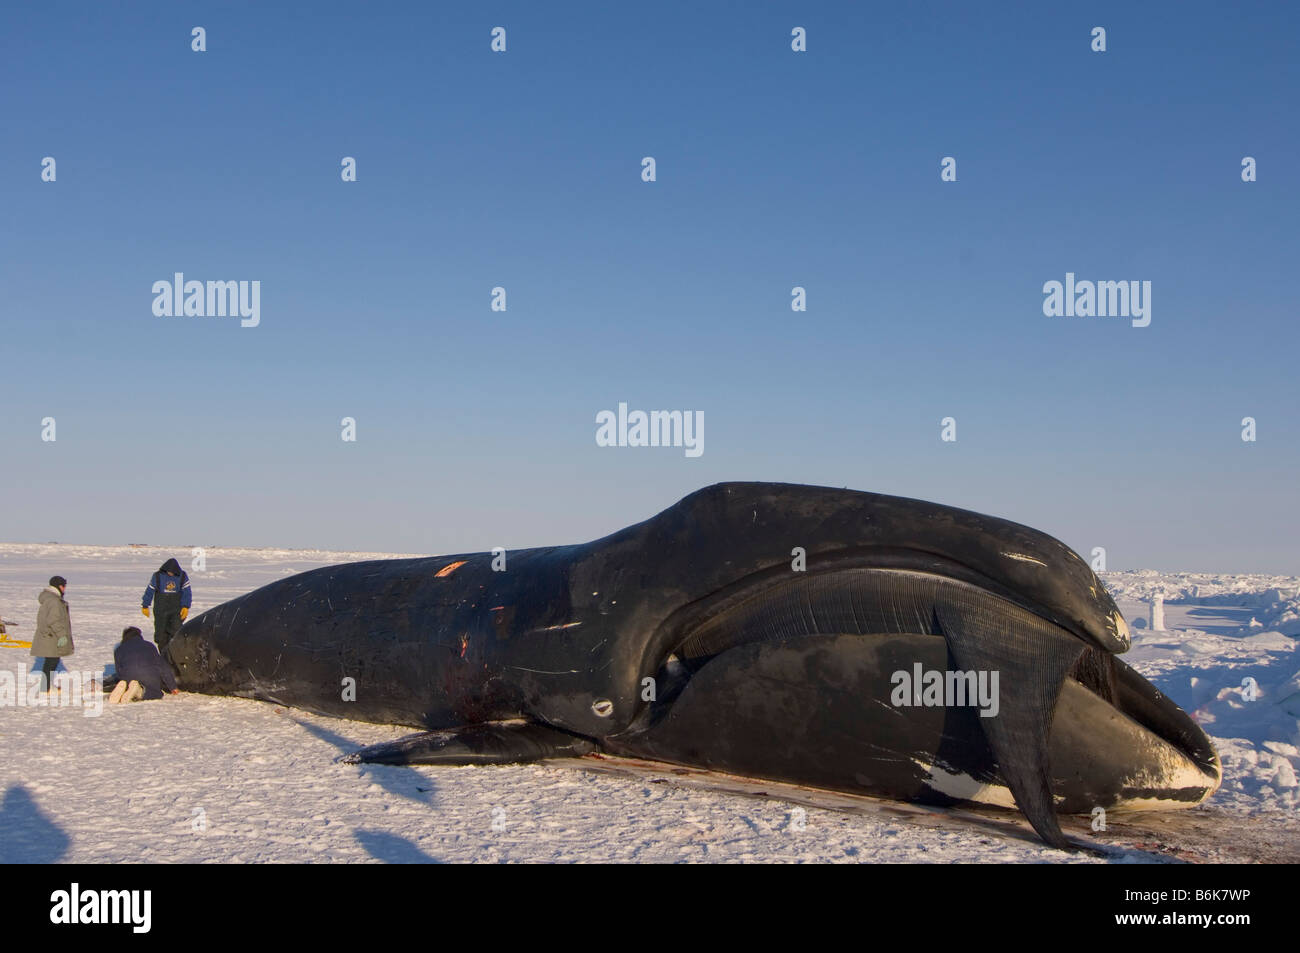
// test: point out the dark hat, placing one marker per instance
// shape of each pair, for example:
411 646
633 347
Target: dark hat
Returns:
130 632
57 581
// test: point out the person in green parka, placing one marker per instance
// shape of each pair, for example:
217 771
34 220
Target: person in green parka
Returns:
52 639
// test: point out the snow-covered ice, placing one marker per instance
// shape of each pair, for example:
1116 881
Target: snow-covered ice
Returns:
195 778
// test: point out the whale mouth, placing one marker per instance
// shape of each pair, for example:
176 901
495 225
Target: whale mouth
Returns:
1106 736
1139 751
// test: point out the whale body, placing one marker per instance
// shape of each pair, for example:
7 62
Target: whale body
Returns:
832 638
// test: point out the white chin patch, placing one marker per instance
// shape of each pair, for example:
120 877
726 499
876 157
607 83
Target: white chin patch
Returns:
965 788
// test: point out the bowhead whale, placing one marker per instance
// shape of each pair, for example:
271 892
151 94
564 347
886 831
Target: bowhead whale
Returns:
831 638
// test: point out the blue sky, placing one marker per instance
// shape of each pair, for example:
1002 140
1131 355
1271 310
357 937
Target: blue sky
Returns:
522 169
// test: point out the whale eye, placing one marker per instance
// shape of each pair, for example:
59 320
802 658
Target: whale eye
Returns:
603 707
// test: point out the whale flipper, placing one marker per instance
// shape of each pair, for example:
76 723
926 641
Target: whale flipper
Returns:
1038 661
476 744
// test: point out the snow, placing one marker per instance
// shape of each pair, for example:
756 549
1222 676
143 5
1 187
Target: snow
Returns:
194 778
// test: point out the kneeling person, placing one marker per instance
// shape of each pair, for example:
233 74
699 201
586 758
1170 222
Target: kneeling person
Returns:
142 674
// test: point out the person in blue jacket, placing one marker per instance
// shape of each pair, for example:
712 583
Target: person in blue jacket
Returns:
169 595
141 672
